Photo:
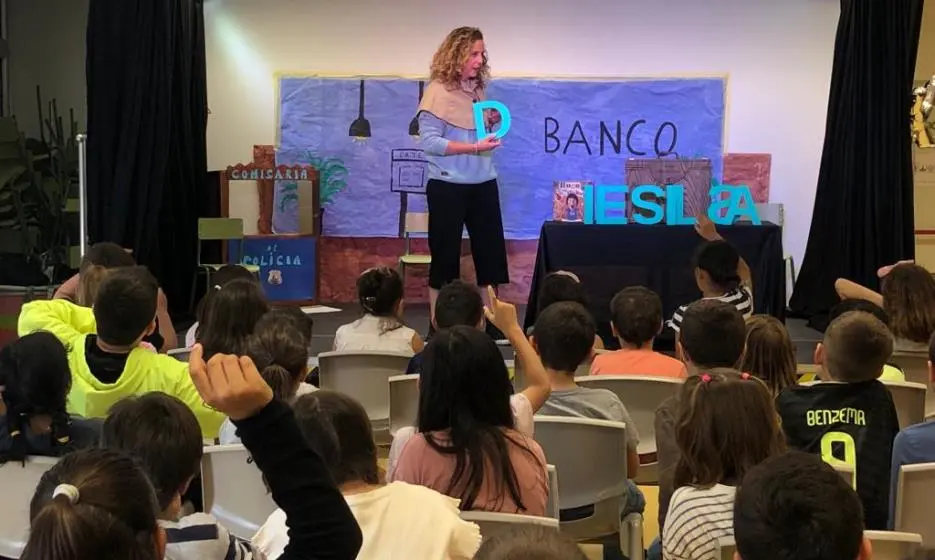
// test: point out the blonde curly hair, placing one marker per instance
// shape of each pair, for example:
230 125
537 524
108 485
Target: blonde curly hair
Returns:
451 55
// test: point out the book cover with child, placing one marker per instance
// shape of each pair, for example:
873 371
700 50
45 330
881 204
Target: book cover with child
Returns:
568 200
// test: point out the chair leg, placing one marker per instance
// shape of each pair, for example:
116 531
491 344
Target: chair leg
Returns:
631 536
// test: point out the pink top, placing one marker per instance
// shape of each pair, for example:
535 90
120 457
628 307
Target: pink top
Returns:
638 362
422 465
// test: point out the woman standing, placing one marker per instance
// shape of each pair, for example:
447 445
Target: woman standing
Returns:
462 188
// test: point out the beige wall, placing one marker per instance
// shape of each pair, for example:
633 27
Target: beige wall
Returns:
925 60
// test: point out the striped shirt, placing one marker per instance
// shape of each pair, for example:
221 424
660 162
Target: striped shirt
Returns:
697 519
200 537
740 297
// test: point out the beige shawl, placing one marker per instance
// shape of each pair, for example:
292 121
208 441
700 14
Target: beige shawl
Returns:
452 105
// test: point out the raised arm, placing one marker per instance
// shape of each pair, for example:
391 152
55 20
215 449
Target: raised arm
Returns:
58 316
706 229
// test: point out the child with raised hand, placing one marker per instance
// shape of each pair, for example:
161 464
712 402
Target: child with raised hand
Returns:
163 435
230 316
381 327
110 365
94 503
769 353
320 523
222 277
398 520
727 425
279 349
34 384
720 273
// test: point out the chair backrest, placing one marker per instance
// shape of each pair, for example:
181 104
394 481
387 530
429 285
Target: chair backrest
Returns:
909 399
916 369
17 485
233 489
404 401
592 455
220 229
490 522
641 395
914 491
551 507
726 547
365 377
180 354
893 545
417 222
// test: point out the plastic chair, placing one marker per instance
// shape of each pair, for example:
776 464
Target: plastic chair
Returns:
726 547
641 395
909 399
180 354
225 230
417 223
233 489
365 377
914 490
552 506
404 401
892 545
490 522
592 455
18 483
916 369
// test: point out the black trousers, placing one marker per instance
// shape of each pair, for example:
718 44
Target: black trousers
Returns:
453 207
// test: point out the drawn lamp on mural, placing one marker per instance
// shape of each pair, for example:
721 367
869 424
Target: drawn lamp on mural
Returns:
414 123
360 128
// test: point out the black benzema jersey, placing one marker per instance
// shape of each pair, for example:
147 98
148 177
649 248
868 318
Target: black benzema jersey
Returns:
853 423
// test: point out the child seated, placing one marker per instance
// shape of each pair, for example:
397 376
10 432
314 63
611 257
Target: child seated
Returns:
769 354
795 506
220 278
381 328
110 365
466 445
529 542
636 319
34 383
727 425
279 349
163 434
852 419
561 286
230 315
719 272
458 303
398 520
890 372
82 289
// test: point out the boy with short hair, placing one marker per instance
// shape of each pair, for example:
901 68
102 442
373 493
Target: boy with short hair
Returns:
458 303
163 434
636 319
850 419
713 338
720 273
110 365
794 506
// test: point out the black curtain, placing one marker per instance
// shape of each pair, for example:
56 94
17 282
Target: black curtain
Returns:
147 113
863 205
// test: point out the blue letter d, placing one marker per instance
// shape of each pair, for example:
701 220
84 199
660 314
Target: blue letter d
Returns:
505 119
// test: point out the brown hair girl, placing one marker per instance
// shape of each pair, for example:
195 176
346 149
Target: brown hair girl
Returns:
909 300
769 353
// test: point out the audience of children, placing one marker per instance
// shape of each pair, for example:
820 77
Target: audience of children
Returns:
220 278
467 445
561 286
907 294
727 424
230 315
890 372
279 349
34 384
398 520
82 289
720 273
109 364
850 419
636 319
381 328
794 506
163 435
769 353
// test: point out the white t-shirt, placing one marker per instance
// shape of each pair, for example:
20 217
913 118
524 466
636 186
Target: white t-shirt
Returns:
398 520
522 420
227 435
369 334
697 518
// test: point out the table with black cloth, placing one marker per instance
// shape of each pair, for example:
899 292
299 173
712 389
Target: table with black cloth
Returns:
608 258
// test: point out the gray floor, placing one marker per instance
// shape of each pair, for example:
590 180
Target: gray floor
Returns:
417 316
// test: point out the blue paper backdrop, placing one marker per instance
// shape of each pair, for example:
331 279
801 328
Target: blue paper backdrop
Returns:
562 131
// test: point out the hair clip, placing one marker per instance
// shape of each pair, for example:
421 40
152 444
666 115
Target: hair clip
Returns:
217 286
705 378
745 376
67 490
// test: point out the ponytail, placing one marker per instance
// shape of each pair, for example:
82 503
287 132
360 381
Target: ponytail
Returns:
280 381
279 348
